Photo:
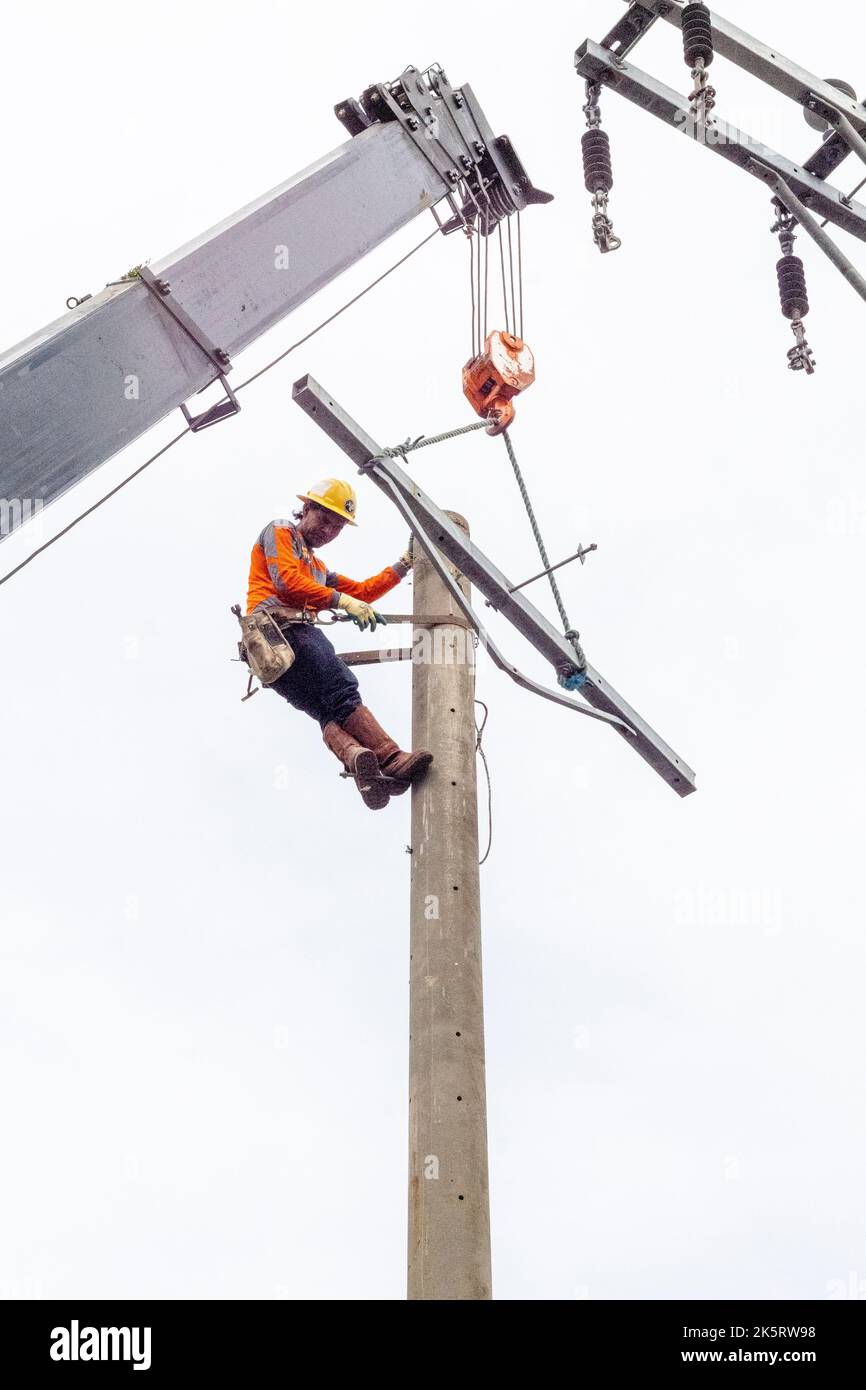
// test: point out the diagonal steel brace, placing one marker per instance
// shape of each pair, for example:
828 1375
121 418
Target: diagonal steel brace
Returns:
381 476
796 208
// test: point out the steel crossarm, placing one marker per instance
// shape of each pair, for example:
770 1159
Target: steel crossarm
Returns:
422 512
599 64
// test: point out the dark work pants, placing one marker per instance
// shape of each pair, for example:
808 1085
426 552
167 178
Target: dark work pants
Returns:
318 682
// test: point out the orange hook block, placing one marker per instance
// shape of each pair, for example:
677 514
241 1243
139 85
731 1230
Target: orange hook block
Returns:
504 369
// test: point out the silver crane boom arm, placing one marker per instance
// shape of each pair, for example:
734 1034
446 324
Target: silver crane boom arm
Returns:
84 387
78 391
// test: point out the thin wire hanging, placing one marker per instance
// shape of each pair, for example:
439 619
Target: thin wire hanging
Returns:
471 240
520 269
502 268
486 264
511 277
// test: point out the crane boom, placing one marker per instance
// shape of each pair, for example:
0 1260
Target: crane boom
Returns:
79 390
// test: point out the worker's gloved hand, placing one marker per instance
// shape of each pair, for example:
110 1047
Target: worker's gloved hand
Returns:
361 613
574 681
404 564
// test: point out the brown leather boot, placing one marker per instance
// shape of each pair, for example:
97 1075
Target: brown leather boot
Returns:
405 768
361 763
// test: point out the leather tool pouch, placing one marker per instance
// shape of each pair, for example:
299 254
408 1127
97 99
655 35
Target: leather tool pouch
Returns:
264 646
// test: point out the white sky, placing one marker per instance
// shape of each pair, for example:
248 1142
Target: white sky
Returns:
205 1005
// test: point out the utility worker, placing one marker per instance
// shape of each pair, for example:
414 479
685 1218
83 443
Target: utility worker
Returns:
286 573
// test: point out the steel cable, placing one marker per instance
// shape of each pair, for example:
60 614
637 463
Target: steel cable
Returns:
479 730
539 540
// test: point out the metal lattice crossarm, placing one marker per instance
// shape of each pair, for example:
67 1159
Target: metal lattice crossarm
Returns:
437 533
755 57
731 42
802 192
598 64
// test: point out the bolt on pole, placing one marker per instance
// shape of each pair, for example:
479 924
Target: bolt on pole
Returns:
449 1212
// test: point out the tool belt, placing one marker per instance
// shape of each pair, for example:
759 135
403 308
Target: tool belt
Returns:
264 644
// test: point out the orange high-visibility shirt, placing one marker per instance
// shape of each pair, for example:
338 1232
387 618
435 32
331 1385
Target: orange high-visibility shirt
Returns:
284 570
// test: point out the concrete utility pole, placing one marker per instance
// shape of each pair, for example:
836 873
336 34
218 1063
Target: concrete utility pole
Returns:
449 1220
449 1212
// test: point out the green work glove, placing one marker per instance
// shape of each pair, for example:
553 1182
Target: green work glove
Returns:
361 613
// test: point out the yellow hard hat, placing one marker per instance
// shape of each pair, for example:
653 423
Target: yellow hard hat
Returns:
335 496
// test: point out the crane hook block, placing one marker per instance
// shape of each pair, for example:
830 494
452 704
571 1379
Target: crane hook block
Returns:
490 381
